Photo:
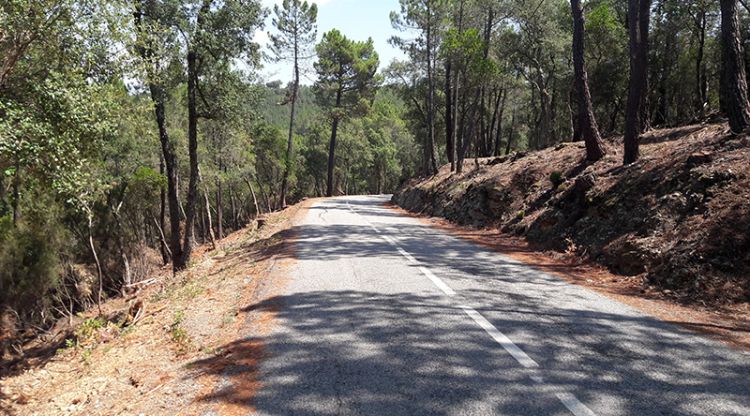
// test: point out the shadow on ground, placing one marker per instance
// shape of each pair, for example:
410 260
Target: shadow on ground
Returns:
375 353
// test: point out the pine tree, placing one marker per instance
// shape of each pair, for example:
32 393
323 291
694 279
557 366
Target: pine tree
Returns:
295 22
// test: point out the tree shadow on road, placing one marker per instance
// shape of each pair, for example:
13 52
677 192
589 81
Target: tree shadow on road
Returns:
404 353
351 352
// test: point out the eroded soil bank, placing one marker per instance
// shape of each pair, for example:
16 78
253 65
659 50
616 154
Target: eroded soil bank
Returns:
669 235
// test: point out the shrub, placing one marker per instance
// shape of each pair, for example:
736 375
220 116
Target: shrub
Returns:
556 178
30 261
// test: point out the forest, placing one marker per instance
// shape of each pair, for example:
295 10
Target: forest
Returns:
133 131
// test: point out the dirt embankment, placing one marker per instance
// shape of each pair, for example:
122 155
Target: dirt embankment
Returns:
193 348
678 219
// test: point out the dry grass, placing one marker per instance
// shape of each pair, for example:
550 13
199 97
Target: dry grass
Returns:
182 352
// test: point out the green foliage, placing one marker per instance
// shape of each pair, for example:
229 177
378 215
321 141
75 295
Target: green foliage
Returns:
30 259
295 23
88 329
346 70
556 179
178 334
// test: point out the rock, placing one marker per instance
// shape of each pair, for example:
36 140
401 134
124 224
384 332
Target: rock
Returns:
675 201
698 158
634 254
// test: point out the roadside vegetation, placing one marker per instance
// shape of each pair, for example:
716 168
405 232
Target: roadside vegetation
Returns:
135 136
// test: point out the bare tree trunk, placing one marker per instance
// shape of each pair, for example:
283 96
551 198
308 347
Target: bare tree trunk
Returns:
734 95
290 139
158 97
431 148
233 207
127 277
460 136
589 128
458 127
644 16
192 197
511 132
255 199
163 239
264 195
701 82
638 15
209 226
166 253
219 212
449 148
498 123
99 273
332 148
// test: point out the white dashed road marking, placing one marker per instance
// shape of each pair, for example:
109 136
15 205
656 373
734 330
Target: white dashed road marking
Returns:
567 399
500 338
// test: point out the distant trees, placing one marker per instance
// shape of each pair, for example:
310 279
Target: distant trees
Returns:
346 84
214 35
132 130
295 22
424 16
504 71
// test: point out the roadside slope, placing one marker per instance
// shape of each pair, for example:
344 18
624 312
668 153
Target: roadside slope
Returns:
678 220
182 354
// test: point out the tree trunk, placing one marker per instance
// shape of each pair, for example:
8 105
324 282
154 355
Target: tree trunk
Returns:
166 253
192 196
734 95
432 167
209 225
160 228
290 139
219 212
449 148
644 16
638 76
255 199
498 124
99 273
264 195
588 125
126 276
662 111
332 147
192 87
460 138
511 132
158 97
233 208
701 82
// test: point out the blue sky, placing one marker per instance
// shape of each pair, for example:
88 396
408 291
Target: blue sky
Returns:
357 19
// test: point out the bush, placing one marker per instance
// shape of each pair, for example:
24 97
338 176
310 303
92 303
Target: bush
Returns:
556 178
30 261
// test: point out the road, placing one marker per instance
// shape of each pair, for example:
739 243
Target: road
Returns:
385 315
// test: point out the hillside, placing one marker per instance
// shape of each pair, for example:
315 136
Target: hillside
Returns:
679 218
178 345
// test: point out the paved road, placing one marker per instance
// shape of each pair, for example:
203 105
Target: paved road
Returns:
387 316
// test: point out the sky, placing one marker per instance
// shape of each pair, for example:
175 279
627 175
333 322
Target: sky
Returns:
356 19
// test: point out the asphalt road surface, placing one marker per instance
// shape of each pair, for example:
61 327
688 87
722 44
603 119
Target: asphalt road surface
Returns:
385 315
